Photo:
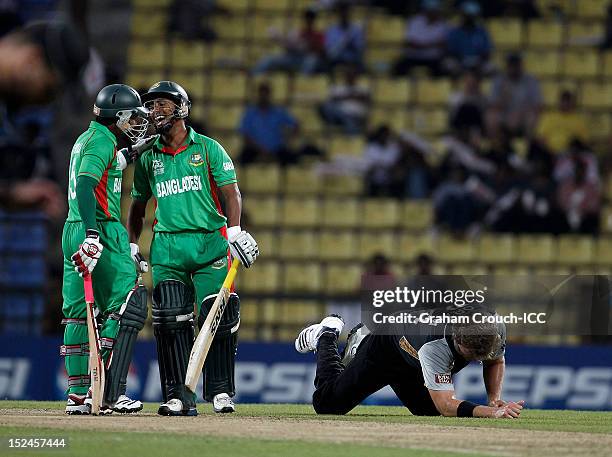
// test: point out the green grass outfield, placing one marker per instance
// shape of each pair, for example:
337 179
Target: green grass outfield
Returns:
103 436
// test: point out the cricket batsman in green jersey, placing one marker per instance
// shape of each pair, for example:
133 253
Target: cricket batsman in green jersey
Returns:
95 243
187 173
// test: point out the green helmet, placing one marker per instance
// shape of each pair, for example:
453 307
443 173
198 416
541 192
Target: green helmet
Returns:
123 102
170 91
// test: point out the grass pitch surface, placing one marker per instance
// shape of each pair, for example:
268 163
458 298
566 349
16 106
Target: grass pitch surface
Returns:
296 431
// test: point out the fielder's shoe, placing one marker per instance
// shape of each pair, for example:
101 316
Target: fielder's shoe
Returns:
354 339
104 409
174 407
126 405
308 338
76 405
223 403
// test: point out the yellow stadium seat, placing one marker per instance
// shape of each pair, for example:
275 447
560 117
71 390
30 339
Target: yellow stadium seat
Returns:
302 277
606 219
279 84
596 95
506 33
264 178
310 88
269 312
392 91
301 180
267 240
298 245
265 279
142 80
430 122
300 312
342 279
380 213
188 55
543 63
147 54
607 64
574 250
340 213
228 86
591 8
194 82
300 212
225 117
581 64
578 32
249 314
416 214
451 249
262 211
235 5
147 4
495 249
377 242
603 251
263 27
231 28
149 25
343 185
308 118
544 33
272 5
411 246
341 145
536 249
599 124
386 29
337 245
381 56
552 89
433 92
394 118
224 55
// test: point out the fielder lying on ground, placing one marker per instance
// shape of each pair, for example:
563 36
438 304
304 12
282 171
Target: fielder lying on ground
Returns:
419 368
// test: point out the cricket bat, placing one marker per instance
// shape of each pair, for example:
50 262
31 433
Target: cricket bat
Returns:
208 330
96 364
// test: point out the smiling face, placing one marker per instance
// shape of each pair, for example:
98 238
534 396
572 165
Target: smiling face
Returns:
162 111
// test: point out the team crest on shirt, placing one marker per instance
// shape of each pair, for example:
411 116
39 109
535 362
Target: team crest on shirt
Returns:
196 159
158 167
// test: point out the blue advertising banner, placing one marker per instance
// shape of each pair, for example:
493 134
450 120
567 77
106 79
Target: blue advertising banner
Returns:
546 377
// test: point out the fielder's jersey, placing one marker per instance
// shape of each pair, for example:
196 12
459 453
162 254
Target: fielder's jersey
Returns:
95 155
184 183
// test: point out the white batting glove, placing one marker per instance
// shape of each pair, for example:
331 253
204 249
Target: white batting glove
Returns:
86 258
242 245
142 266
126 156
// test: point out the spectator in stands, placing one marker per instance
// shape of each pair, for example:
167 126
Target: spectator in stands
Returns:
578 153
425 40
344 41
424 265
606 42
557 129
515 100
347 104
525 9
455 208
580 200
378 272
381 154
411 169
35 64
468 44
266 130
303 49
467 106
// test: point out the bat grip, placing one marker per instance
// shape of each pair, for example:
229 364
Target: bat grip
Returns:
89 295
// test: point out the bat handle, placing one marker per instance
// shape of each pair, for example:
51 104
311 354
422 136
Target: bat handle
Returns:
89 295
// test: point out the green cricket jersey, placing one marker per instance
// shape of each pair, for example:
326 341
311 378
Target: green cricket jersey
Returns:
95 154
184 183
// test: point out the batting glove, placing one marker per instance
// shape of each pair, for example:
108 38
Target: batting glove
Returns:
130 154
242 245
142 266
86 258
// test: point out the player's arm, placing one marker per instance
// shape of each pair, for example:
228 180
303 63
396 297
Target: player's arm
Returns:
448 405
141 193
493 374
233 204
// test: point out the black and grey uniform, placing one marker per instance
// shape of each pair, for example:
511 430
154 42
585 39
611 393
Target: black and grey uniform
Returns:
410 364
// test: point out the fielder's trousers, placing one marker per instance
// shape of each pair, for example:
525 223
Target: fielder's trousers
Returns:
377 364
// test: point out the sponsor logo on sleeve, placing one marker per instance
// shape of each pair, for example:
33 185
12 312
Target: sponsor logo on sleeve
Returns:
443 378
228 166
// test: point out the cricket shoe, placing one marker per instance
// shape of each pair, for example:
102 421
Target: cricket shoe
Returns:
76 405
353 340
308 339
104 409
174 407
223 403
125 405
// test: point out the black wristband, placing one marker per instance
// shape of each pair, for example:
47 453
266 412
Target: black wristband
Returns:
466 409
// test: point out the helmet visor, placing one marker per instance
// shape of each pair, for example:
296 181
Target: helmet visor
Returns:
133 123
